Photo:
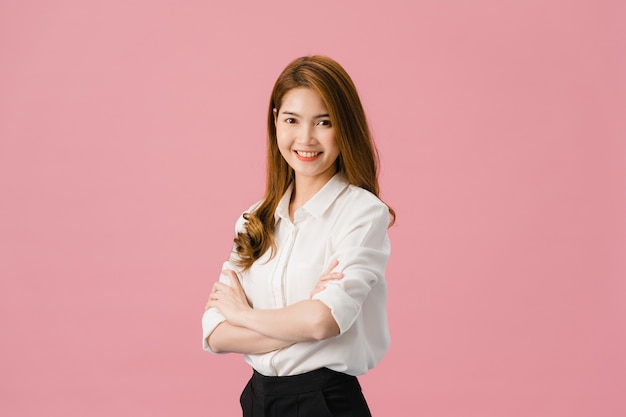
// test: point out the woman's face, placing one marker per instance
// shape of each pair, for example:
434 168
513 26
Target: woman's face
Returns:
306 137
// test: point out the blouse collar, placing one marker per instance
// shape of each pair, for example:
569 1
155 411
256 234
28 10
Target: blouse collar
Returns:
319 203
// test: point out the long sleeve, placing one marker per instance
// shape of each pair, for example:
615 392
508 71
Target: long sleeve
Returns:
212 318
362 252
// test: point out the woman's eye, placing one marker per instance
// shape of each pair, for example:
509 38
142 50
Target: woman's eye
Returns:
324 123
290 120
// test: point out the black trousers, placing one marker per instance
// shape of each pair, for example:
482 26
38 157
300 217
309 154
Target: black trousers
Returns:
319 393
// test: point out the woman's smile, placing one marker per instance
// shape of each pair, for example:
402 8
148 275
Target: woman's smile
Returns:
307 156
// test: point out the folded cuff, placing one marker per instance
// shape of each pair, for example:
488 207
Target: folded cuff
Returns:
210 319
343 307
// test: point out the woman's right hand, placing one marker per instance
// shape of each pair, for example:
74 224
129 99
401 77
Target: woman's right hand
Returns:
327 276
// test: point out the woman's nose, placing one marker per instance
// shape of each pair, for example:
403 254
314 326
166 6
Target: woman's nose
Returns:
306 134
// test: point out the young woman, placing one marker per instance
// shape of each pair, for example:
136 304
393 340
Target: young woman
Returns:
303 294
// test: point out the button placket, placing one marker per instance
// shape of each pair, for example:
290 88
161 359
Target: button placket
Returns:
278 278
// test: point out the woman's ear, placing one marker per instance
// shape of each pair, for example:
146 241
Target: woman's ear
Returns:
275 114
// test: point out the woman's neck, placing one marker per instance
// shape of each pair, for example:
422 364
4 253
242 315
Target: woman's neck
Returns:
303 190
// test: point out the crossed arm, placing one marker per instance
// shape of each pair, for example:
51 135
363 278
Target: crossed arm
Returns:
250 331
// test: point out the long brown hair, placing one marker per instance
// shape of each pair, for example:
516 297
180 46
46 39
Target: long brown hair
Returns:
358 157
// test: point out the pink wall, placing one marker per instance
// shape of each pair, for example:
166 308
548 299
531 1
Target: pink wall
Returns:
132 135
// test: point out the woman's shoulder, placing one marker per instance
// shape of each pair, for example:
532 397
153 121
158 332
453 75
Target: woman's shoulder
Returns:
358 204
362 199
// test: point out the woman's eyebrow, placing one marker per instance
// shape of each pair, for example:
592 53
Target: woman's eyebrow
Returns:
297 115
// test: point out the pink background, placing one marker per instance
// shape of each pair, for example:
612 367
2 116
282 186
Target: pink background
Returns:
132 136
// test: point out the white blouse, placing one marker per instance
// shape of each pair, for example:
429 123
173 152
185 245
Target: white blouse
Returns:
342 222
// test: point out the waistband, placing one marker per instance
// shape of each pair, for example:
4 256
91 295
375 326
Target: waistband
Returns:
299 384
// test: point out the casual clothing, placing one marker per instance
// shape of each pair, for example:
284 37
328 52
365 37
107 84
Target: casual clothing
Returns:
341 222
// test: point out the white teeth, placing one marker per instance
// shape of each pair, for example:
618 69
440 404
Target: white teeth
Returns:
307 154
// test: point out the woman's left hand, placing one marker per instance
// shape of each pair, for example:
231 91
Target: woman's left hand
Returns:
230 300
327 275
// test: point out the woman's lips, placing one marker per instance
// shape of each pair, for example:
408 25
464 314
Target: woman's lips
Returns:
306 155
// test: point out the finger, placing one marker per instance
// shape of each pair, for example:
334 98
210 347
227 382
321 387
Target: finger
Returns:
331 267
331 277
234 279
221 287
318 288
